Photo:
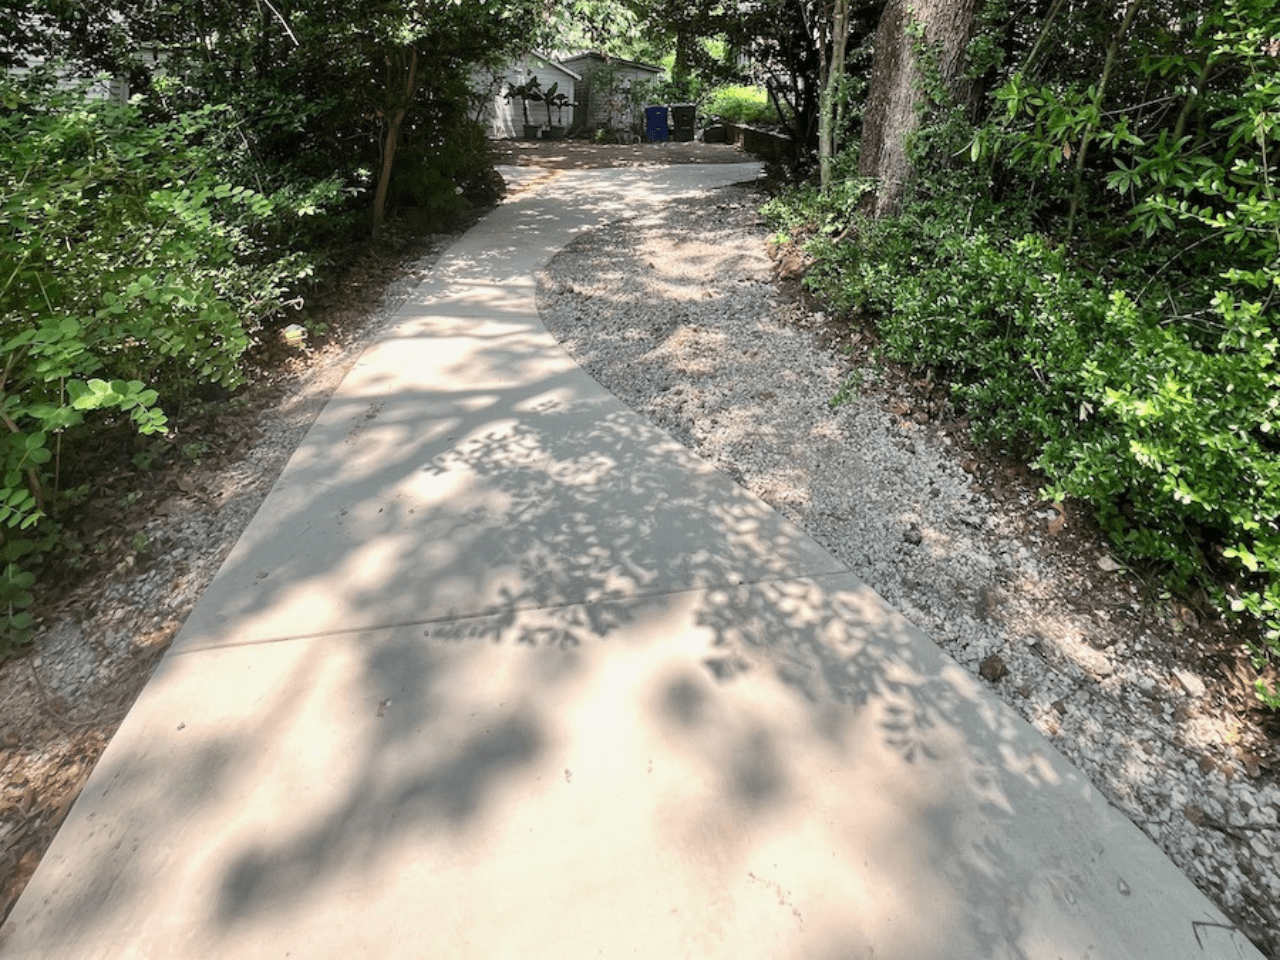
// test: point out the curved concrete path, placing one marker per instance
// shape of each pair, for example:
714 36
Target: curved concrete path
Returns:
500 670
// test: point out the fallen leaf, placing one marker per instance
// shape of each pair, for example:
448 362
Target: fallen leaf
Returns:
1251 764
1060 521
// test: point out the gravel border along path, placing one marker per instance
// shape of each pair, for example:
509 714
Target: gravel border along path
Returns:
677 314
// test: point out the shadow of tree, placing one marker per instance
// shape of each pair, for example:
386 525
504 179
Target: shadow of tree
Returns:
481 585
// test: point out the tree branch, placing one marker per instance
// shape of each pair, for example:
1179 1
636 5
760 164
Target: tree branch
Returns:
283 22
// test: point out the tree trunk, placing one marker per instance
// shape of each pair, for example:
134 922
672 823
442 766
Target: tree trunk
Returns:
832 84
402 85
898 97
393 119
680 64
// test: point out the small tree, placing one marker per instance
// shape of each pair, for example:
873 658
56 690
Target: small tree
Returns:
560 101
399 93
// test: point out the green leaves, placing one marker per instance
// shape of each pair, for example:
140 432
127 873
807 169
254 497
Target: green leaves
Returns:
740 104
1166 424
132 270
132 396
16 621
1105 290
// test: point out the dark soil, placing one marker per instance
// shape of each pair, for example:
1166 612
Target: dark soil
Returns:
577 154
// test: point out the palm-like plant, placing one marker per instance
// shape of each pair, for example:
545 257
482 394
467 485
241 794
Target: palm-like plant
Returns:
531 89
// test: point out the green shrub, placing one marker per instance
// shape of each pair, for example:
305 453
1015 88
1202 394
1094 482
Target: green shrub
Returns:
444 176
1167 431
1179 455
1100 284
1005 319
132 272
665 90
747 105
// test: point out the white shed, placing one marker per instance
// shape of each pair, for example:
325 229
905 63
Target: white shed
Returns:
100 87
504 119
608 92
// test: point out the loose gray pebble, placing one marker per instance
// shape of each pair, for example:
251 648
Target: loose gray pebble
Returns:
742 378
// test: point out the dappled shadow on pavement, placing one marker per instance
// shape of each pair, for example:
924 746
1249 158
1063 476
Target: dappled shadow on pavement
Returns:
501 670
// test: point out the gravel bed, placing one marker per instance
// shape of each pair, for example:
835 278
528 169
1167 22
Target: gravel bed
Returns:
677 313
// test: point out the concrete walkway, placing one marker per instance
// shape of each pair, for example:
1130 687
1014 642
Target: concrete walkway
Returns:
500 670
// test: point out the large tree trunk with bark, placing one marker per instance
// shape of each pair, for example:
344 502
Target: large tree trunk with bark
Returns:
898 95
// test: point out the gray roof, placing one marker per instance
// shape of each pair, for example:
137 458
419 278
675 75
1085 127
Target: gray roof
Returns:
597 55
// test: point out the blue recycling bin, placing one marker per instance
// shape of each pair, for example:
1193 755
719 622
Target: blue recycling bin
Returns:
655 124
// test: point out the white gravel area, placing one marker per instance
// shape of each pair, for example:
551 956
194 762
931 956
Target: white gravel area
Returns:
678 315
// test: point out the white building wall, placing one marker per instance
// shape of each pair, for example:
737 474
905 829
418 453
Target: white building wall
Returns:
504 119
606 91
99 88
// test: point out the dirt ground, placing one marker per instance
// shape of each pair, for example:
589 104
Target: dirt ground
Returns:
574 154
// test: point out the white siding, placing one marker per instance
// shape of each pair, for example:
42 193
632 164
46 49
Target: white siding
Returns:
606 100
100 88
505 118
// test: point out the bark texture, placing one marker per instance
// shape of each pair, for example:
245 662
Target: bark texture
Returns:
401 88
897 95
832 80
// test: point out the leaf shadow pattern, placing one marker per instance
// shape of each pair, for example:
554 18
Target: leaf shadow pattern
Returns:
977 783
472 570
396 434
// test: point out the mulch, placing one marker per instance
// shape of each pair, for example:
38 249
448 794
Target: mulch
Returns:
579 154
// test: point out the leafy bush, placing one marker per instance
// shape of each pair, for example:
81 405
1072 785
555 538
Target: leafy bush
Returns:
747 105
1005 319
132 271
1100 284
666 90
1169 433
444 165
